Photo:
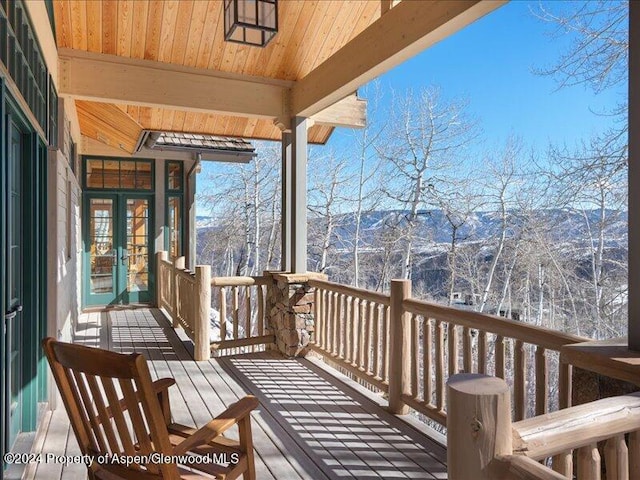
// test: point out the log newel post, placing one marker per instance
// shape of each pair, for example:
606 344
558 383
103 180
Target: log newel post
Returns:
178 264
201 340
160 256
478 425
399 338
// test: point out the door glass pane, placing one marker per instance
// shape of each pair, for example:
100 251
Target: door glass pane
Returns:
137 245
101 247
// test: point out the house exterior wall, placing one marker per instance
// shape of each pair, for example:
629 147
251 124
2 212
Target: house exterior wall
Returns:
64 235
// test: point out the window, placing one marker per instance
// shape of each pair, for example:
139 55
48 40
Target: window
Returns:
174 227
115 174
174 175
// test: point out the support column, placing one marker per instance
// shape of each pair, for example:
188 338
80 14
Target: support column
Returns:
299 196
290 302
286 226
634 177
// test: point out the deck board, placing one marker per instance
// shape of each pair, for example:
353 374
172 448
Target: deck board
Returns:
310 424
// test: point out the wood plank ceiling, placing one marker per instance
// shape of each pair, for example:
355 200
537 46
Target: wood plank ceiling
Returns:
190 33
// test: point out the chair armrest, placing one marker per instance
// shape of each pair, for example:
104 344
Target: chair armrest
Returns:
161 387
163 384
232 415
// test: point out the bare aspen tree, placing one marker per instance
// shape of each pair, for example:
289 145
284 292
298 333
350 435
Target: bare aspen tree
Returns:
426 138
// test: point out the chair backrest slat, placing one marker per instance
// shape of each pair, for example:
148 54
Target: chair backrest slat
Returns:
89 407
139 426
105 420
118 417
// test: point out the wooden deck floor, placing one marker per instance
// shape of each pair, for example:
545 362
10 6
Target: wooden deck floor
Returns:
310 425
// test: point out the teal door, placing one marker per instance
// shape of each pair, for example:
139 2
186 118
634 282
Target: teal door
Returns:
118 248
13 288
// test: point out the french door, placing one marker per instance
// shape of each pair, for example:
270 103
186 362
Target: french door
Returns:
13 285
117 248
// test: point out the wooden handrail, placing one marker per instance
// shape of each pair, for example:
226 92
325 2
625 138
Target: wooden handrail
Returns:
368 295
238 281
575 427
551 339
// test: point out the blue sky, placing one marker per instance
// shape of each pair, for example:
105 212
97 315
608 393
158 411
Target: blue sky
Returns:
491 64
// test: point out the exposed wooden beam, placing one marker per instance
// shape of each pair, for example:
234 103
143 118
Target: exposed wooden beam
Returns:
402 32
114 79
108 124
351 112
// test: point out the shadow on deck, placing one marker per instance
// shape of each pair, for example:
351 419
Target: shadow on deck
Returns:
310 424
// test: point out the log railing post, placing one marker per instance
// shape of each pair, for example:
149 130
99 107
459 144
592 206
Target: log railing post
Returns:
202 342
478 425
178 264
399 338
160 256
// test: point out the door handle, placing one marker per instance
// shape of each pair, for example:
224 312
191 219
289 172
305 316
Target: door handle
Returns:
125 256
12 313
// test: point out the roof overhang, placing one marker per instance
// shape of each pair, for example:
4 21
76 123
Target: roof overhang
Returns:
166 68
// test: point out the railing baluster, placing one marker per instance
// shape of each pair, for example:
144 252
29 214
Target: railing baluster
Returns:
616 458
376 340
361 335
452 334
467 356
348 327
334 323
248 327
413 355
499 346
440 365
634 454
223 313
564 378
542 387
589 463
563 464
427 339
364 342
385 342
325 313
341 326
355 330
520 375
235 307
482 351
260 320
368 317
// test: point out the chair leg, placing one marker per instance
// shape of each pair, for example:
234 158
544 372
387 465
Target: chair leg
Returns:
246 445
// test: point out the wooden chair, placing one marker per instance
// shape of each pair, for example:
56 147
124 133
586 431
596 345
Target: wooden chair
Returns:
137 421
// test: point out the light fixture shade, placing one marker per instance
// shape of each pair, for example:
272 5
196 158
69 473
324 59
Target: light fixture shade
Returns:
251 22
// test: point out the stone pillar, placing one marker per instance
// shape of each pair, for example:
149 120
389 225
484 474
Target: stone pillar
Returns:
290 302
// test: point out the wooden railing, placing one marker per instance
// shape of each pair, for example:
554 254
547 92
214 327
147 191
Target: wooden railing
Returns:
482 441
186 298
352 329
241 305
408 348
